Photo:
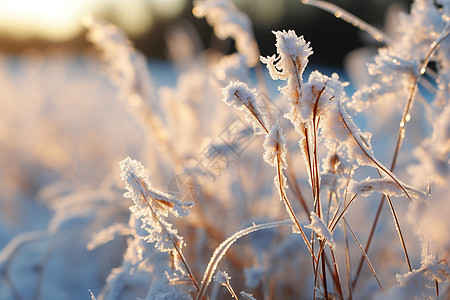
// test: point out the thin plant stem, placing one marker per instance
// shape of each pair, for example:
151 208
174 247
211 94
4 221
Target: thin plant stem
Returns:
230 289
369 240
338 12
401 134
252 111
348 265
397 225
290 210
224 246
324 273
292 182
279 176
336 276
364 254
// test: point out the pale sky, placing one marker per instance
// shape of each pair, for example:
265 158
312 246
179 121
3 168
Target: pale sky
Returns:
59 20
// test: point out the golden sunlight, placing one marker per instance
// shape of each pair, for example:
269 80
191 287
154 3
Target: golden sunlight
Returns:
59 20
50 19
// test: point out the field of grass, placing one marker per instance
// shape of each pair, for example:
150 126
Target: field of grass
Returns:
221 176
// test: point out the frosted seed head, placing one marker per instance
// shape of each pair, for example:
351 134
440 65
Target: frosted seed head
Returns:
247 296
321 229
275 147
222 277
288 43
238 93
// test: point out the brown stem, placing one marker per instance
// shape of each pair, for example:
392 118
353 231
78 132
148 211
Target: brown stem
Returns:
400 136
288 205
397 225
252 111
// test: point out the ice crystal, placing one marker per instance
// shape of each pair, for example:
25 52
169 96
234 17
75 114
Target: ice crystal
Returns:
151 206
144 196
222 277
382 185
247 296
319 227
420 283
289 64
239 95
275 147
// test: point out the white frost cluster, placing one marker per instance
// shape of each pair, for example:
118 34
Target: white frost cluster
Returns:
275 147
382 185
394 68
321 229
420 283
289 64
239 95
151 206
228 21
140 191
247 296
222 277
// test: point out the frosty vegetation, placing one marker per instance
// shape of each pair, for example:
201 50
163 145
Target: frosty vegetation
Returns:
340 192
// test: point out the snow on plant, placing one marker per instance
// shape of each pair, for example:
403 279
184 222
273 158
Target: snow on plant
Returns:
151 207
239 95
142 249
321 229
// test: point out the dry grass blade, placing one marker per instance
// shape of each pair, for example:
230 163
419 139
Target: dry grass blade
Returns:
400 234
292 182
410 102
336 276
222 249
348 267
364 254
401 133
291 211
350 18
375 161
316 181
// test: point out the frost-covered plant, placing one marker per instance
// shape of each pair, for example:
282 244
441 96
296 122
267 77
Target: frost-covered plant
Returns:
320 161
151 207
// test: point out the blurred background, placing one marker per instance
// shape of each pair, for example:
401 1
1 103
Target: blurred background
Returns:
44 24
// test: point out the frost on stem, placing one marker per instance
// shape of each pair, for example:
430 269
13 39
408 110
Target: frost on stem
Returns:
228 21
143 195
289 64
382 185
239 95
322 231
151 205
222 277
275 155
275 147
247 296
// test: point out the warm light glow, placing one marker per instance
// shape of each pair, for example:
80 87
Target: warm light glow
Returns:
50 19
59 20
134 16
